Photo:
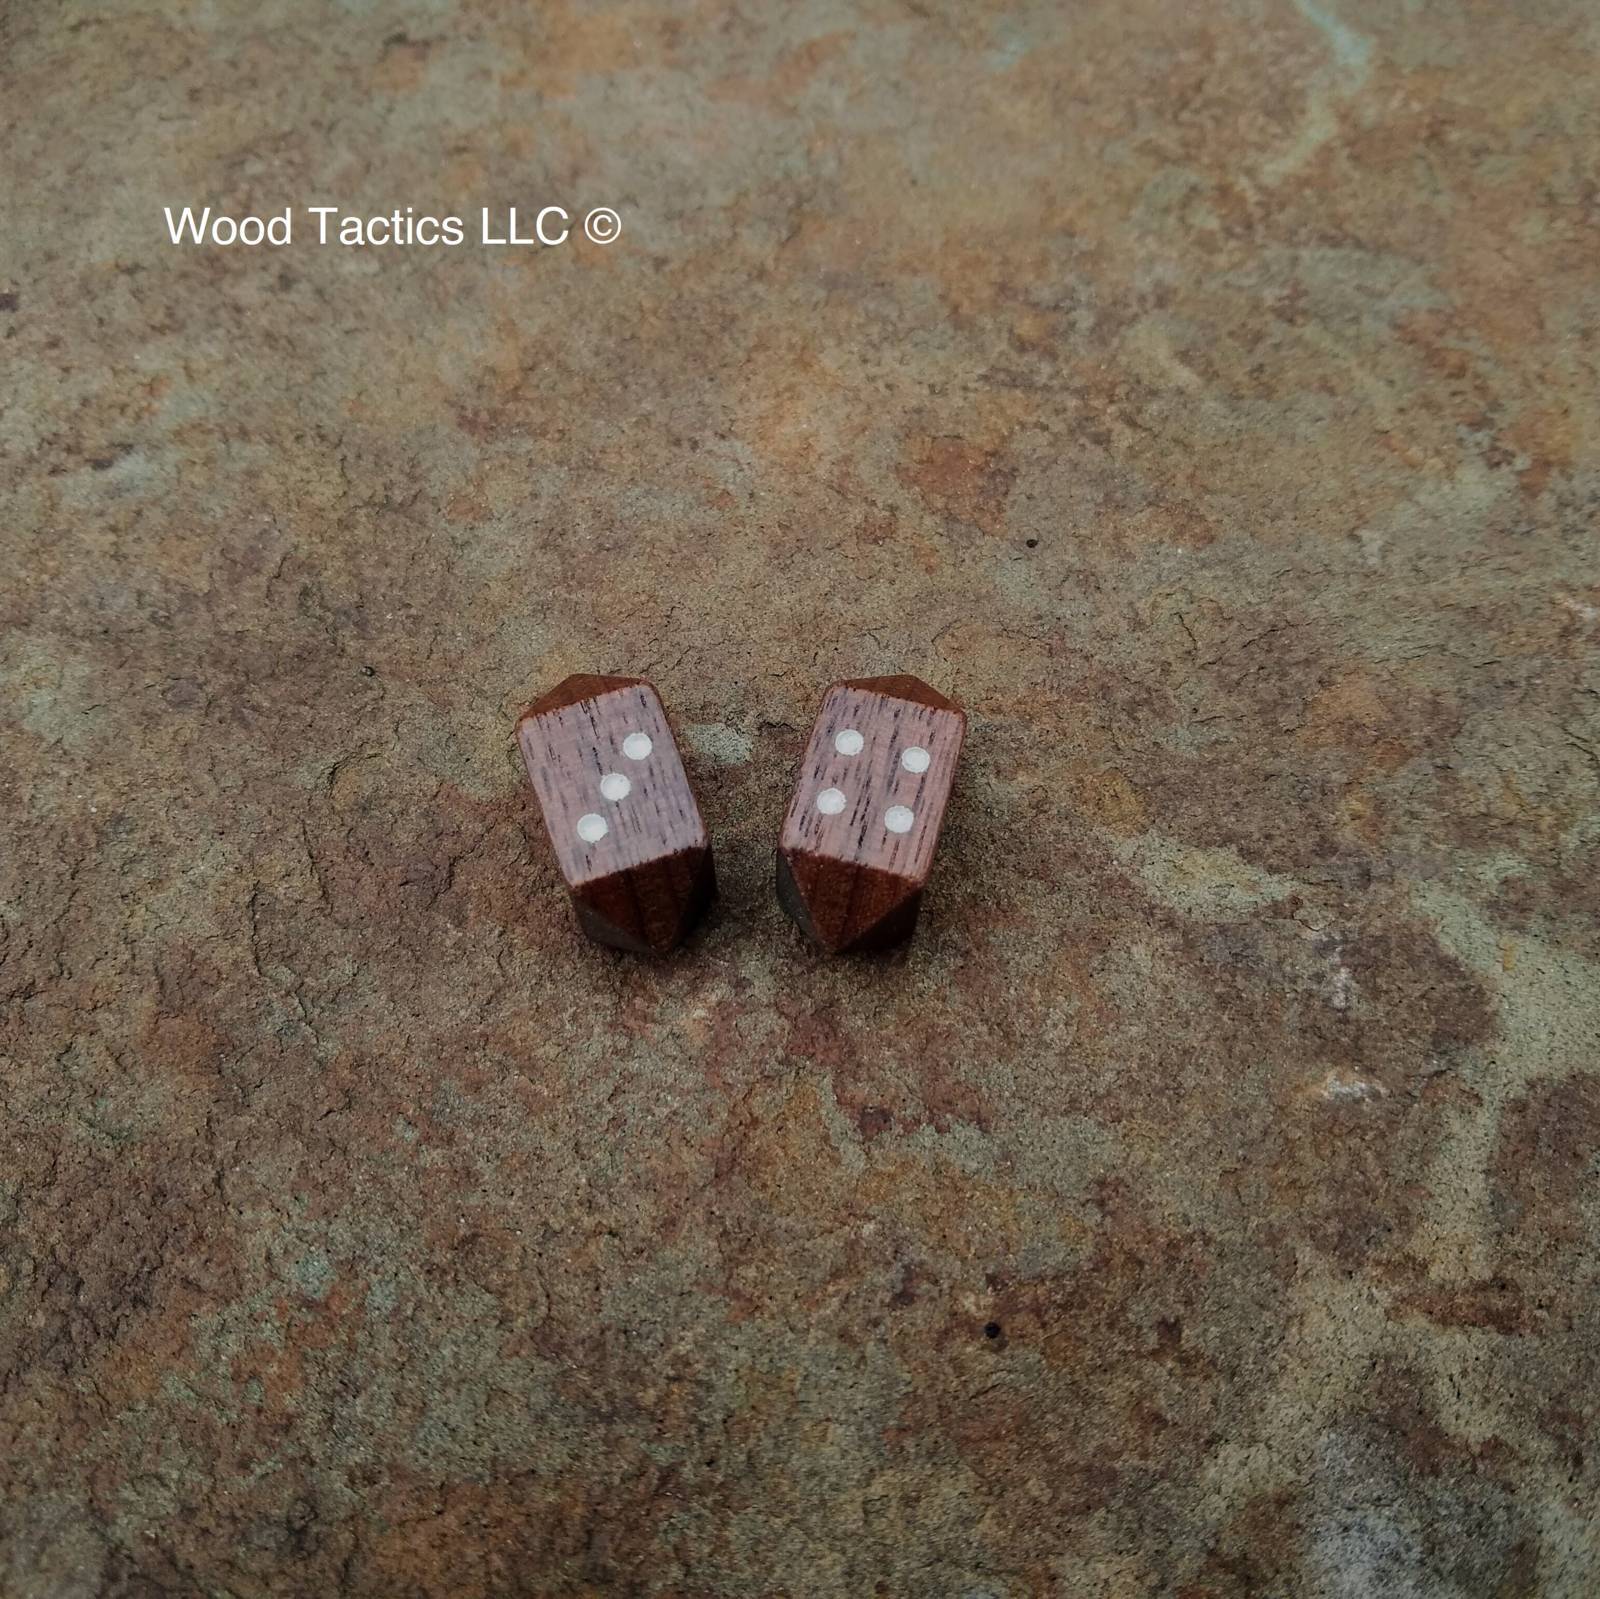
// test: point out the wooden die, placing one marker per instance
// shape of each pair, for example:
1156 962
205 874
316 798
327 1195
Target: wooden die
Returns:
857 845
620 813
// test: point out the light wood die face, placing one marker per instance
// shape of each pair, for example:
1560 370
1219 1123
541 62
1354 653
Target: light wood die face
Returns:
611 783
859 838
622 818
874 782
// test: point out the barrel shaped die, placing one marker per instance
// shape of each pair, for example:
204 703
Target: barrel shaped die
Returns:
622 818
859 838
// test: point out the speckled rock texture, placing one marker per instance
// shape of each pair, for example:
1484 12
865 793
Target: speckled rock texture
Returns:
1205 1204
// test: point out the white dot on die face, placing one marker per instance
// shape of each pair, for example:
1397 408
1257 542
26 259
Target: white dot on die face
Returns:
615 786
898 819
636 746
915 759
849 742
830 802
592 828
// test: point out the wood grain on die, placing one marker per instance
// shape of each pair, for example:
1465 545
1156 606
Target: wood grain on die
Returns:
862 827
622 818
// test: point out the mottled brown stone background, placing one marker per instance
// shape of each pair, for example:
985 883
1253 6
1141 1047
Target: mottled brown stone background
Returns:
1206 1204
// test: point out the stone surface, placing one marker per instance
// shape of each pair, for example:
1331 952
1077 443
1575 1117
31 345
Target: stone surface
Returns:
1204 1204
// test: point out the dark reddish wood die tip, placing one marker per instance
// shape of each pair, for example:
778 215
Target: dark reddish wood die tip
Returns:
621 816
862 827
